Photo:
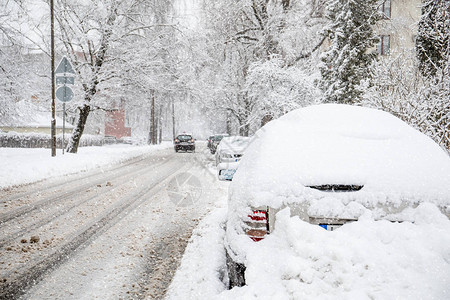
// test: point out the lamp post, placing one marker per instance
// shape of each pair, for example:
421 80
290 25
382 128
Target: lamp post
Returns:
52 46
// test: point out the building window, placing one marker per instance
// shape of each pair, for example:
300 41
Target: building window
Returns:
385 9
384 45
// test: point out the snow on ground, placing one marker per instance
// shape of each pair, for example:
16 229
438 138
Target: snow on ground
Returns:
367 259
21 166
202 272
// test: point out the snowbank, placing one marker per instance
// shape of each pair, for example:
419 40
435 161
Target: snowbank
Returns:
20 166
202 270
367 259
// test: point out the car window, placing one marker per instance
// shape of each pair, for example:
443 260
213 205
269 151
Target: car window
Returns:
184 138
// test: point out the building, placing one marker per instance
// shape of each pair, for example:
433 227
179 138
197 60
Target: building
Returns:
398 28
115 124
32 119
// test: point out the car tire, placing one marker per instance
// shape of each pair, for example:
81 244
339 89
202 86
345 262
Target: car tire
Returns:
236 273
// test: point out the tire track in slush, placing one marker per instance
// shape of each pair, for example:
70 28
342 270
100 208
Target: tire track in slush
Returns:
34 191
67 194
18 283
54 215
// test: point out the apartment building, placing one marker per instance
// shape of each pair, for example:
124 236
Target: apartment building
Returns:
398 28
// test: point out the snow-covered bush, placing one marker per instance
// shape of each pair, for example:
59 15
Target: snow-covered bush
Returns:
279 89
398 87
42 140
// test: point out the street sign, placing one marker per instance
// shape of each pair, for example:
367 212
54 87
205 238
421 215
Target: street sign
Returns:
65 75
65 67
64 94
64 80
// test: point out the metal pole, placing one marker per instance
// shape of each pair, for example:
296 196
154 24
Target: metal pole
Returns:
64 126
52 46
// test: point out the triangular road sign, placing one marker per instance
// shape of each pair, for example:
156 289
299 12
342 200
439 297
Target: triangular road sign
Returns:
65 67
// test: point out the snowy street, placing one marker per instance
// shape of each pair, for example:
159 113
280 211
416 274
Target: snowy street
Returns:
110 233
224 150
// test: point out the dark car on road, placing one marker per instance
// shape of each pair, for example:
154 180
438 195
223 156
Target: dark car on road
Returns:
184 142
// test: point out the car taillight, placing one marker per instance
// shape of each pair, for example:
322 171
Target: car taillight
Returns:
192 141
257 225
176 140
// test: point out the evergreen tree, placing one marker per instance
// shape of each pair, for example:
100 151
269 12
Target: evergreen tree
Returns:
433 38
347 61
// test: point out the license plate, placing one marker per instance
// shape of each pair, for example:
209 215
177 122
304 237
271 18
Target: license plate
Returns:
330 227
228 174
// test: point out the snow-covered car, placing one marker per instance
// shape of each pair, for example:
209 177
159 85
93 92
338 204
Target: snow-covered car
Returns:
128 140
329 165
231 149
215 141
108 139
184 142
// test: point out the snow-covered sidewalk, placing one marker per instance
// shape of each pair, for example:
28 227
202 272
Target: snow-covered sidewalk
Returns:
21 166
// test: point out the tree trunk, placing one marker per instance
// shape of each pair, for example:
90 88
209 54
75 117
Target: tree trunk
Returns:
78 131
244 129
266 119
153 130
160 124
229 129
173 119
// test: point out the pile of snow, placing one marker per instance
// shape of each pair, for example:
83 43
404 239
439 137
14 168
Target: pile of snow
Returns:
202 272
22 165
367 259
346 145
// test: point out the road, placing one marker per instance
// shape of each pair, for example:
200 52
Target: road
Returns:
115 233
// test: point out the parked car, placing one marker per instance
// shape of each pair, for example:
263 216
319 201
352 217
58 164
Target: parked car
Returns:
330 164
231 149
210 139
184 142
215 142
128 140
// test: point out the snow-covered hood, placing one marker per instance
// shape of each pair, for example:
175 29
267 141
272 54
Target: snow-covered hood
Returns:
234 144
341 144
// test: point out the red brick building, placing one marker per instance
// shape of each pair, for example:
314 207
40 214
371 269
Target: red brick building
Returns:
115 124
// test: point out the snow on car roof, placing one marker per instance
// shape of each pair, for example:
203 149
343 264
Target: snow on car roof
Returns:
234 144
345 145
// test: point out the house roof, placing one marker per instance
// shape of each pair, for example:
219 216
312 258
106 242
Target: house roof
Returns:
30 115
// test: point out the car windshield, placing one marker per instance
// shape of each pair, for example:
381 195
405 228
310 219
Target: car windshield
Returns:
184 138
218 138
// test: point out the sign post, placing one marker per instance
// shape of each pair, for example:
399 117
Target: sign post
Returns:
65 75
52 46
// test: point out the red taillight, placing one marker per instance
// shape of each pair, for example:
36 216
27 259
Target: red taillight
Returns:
257 225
